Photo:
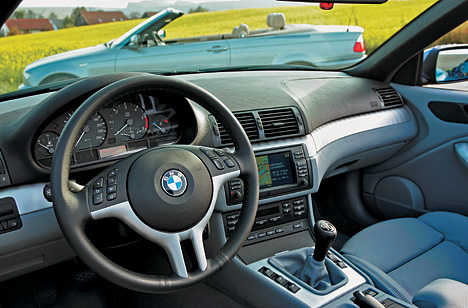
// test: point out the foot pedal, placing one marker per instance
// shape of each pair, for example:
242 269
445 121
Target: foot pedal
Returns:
85 280
45 294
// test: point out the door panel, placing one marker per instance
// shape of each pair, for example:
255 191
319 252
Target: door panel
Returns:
428 174
179 57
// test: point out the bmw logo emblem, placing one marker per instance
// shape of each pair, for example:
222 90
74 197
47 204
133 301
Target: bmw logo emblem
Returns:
174 183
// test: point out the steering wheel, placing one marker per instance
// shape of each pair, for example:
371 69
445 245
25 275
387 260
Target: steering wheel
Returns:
165 194
157 39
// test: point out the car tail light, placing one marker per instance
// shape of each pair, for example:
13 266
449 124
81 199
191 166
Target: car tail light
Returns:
359 45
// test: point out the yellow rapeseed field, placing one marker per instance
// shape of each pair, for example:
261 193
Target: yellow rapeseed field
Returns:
379 22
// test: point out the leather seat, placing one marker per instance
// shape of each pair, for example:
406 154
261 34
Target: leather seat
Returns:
403 255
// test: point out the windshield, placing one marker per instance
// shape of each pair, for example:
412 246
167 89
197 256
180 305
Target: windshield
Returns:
43 43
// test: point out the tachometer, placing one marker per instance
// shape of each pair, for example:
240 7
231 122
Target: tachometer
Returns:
128 121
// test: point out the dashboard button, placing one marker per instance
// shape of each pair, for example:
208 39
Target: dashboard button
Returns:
4 224
286 211
299 207
231 217
285 205
270 232
232 223
252 237
261 222
297 202
281 280
293 288
12 223
275 219
99 183
300 213
297 226
280 230
263 234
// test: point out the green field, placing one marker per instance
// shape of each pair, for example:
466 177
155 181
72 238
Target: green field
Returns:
379 22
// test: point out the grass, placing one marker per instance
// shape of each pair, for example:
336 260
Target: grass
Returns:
380 22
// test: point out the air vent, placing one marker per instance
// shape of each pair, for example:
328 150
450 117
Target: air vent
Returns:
247 120
279 122
389 96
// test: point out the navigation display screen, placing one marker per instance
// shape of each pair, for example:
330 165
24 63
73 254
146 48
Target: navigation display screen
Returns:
274 169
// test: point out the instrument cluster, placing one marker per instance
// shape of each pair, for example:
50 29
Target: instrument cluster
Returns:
126 125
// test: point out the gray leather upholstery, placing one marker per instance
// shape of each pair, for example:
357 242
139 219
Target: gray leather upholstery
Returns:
276 20
403 255
442 293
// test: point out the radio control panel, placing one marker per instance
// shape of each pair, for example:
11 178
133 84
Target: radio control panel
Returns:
273 220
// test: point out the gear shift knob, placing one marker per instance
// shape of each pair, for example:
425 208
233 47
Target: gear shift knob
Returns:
325 234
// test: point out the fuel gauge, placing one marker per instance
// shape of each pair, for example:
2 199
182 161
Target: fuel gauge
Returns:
46 143
161 125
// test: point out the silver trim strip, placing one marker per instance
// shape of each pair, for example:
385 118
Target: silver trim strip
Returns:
330 132
29 198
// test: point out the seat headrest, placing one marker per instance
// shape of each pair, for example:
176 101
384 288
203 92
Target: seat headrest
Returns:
276 20
243 30
235 31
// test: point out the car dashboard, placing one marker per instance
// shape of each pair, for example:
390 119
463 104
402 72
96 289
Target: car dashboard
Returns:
311 125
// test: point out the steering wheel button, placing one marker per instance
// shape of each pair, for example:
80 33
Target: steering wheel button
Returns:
113 172
208 153
220 152
99 183
111 189
97 199
111 181
97 191
111 196
229 163
218 164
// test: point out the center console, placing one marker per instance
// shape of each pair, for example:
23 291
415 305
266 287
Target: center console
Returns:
285 227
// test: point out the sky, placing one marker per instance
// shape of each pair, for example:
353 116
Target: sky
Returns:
87 3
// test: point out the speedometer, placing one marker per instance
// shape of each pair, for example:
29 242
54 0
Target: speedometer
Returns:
128 121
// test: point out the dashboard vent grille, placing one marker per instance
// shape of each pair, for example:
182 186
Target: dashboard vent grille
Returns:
279 122
389 96
247 122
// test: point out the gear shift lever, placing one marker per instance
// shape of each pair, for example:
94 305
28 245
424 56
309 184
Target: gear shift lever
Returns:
325 235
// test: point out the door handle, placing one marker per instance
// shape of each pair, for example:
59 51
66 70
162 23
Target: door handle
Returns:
217 49
462 152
